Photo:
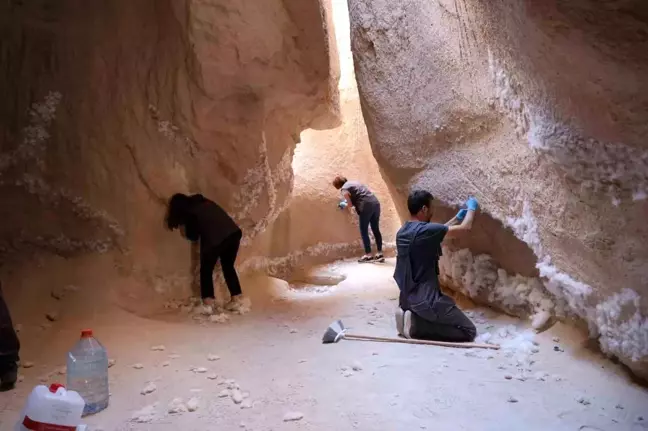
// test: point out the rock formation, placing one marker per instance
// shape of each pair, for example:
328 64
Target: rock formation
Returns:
541 111
109 109
312 229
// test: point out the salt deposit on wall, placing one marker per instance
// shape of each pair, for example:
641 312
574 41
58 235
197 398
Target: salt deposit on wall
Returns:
480 278
617 322
612 168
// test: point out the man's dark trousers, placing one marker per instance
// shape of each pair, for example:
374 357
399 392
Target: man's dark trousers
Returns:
443 321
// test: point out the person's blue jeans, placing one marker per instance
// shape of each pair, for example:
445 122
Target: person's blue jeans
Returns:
370 216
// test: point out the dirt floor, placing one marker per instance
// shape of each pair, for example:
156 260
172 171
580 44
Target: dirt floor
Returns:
275 357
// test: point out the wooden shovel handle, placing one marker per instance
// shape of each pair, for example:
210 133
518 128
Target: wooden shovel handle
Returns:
427 342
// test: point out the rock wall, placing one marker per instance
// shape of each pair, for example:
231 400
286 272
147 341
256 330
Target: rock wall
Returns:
312 229
540 109
109 109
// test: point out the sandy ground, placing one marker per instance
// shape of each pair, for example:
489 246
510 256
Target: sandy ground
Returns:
275 355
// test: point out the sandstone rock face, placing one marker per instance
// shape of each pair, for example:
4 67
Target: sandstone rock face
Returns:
109 109
312 229
540 109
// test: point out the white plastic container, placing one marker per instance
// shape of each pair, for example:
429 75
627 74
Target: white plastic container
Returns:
87 373
51 408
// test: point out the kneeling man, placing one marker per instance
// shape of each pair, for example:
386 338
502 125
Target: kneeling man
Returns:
424 311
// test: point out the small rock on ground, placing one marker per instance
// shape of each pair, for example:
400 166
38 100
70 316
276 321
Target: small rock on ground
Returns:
111 362
193 404
199 370
356 366
145 415
224 393
27 364
584 401
177 406
212 357
158 348
150 388
212 376
512 400
165 364
237 396
52 316
247 404
293 416
219 318
138 366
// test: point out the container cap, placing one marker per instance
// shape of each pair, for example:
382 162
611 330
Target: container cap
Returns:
86 333
55 387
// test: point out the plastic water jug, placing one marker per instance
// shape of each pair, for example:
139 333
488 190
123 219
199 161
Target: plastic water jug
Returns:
87 372
53 408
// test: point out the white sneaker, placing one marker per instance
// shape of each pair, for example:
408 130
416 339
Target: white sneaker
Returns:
400 320
407 324
239 304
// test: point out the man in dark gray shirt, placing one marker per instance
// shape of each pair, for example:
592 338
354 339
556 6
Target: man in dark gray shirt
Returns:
424 311
357 195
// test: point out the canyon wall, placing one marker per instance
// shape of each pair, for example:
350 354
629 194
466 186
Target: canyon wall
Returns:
312 229
108 109
540 109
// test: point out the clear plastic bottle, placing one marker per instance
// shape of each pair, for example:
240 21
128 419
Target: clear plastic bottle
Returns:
87 372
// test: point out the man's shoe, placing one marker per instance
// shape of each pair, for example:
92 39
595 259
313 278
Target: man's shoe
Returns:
407 324
400 320
380 258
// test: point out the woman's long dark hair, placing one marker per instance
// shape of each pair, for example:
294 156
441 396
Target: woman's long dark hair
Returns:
177 210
